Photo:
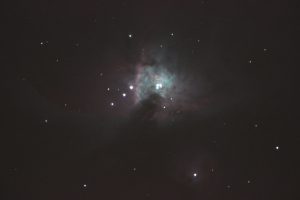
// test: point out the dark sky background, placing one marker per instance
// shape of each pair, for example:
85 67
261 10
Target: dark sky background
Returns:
231 132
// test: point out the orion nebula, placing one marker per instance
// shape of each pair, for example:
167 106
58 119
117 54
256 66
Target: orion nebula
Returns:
149 100
155 79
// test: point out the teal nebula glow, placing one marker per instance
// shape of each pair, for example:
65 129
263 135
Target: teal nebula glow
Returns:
156 80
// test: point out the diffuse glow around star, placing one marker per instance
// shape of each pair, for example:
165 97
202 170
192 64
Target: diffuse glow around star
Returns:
154 80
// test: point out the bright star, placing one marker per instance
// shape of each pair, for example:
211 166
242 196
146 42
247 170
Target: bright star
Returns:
124 94
158 86
131 87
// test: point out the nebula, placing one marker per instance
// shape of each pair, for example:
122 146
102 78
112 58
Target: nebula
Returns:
154 80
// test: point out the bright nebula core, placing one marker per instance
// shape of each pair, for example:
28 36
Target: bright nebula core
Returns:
154 80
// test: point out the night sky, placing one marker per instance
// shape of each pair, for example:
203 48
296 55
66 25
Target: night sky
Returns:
149 100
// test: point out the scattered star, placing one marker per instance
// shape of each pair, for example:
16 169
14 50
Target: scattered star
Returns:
112 104
130 35
195 174
84 185
277 148
124 94
43 43
131 87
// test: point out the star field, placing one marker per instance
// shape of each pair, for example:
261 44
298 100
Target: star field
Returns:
149 100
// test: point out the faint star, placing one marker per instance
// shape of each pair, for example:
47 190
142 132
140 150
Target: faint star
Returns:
112 104
84 185
130 35
198 41
164 107
131 87
108 89
195 174
265 49
46 121
228 186
172 34
255 125
277 148
134 169
248 181
124 94
250 61
57 59
161 46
